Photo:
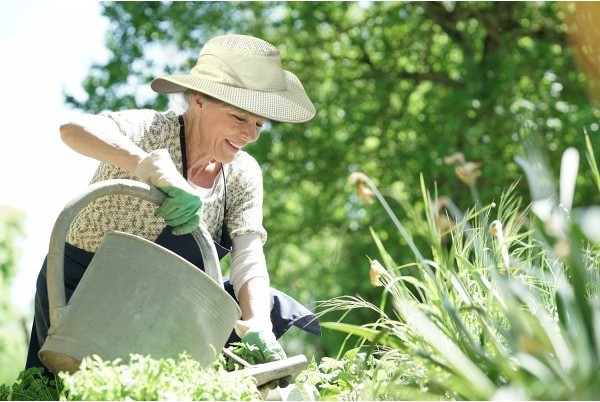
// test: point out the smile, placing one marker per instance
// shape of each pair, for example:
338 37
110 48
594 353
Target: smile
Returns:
236 147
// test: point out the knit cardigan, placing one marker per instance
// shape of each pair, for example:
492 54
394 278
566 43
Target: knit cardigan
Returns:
152 130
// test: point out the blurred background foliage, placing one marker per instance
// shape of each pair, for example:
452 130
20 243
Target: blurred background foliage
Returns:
13 331
398 86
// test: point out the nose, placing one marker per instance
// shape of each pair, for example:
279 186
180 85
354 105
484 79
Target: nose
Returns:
251 132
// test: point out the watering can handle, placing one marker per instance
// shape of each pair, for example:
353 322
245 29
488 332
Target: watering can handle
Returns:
56 274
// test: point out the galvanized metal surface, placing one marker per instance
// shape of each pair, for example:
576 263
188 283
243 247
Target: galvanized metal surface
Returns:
135 296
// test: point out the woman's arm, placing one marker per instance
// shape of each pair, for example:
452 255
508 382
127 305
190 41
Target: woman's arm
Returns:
100 138
255 302
250 280
249 275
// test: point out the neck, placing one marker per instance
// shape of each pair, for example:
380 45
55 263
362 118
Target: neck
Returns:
196 154
201 168
196 167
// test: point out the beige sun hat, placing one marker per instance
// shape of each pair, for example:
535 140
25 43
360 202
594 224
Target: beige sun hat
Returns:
245 72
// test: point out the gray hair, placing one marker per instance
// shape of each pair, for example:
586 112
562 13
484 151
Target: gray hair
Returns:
182 100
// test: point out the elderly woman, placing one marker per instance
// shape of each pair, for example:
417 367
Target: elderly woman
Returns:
197 160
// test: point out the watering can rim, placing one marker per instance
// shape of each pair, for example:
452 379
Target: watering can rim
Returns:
55 275
118 233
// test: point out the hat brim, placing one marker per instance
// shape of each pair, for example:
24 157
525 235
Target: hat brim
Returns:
291 105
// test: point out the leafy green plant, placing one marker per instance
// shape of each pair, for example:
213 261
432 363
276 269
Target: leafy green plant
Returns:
333 379
508 308
144 378
31 385
362 374
250 354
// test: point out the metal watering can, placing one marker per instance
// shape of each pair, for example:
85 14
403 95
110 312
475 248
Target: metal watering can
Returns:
139 297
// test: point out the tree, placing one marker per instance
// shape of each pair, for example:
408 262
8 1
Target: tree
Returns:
398 86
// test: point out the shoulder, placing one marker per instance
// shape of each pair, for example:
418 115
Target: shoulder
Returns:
244 165
244 160
133 120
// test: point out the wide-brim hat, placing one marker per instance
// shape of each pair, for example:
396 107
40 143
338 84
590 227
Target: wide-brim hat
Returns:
245 72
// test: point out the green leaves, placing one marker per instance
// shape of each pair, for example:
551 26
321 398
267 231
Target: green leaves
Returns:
373 335
342 379
31 385
517 320
12 334
144 378
11 230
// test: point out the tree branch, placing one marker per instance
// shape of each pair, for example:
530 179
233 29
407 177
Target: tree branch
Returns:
447 21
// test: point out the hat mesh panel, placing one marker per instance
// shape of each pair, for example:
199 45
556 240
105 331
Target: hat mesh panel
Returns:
241 42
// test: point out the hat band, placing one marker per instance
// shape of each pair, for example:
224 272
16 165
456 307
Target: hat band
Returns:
268 77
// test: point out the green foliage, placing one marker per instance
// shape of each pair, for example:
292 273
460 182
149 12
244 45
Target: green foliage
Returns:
333 379
398 86
249 353
11 229
144 378
363 374
508 309
13 348
31 385
12 334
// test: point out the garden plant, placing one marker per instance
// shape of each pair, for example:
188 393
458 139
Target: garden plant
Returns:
503 304
480 286
142 378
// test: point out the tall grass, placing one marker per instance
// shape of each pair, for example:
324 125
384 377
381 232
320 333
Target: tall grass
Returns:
504 303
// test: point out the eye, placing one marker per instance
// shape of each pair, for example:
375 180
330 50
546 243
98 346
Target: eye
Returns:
239 118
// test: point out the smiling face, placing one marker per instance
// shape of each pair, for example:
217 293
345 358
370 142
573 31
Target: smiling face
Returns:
222 129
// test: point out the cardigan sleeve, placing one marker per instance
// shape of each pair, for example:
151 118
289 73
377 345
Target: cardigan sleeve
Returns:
245 198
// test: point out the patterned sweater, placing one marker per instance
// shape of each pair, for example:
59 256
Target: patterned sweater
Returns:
152 130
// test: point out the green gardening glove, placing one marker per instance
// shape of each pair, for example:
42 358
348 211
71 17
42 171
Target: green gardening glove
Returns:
182 208
267 349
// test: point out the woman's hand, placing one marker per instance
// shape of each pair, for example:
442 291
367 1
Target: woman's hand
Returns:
182 208
263 338
266 348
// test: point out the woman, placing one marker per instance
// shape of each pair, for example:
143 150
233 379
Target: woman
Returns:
197 160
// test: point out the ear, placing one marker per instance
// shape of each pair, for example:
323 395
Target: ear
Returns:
197 102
